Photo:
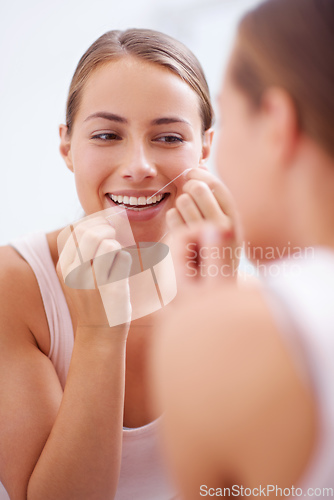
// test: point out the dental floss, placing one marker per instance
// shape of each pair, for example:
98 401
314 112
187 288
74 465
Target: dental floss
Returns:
182 173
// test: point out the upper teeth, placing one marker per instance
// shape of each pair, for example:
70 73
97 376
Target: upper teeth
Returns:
133 200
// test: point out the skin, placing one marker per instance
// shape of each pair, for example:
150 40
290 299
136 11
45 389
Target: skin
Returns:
55 453
271 137
239 409
137 155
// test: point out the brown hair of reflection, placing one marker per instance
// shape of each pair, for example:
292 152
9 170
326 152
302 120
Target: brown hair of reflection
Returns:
290 44
151 46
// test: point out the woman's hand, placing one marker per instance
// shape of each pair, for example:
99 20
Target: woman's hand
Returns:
94 271
206 227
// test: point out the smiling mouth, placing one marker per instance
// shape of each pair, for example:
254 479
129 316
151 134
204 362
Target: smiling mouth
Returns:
137 203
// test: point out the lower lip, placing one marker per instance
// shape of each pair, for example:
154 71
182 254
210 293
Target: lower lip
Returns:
140 215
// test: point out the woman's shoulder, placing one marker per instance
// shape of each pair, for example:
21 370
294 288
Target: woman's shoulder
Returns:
21 303
15 272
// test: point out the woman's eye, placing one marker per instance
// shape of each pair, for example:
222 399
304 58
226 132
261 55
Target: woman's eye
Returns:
170 139
107 136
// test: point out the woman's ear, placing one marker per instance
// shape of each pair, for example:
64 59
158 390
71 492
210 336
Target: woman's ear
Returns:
281 124
206 147
65 146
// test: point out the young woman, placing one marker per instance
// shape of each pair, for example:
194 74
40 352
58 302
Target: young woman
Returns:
246 376
75 420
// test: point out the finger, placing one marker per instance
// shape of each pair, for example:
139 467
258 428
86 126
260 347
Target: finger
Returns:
187 209
219 189
81 226
122 266
69 238
90 241
174 219
74 255
106 215
86 224
70 259
206 201
92 273
104 261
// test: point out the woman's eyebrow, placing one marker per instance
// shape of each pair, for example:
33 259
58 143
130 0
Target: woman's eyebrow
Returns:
107 116
120 119
168 120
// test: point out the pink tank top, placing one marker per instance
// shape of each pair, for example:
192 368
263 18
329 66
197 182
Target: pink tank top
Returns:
142 475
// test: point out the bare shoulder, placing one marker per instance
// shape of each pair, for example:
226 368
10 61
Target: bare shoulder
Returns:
28 379
21 302
227 377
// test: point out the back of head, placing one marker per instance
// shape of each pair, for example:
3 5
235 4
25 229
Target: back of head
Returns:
290 44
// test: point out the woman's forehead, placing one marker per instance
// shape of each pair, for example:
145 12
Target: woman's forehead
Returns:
133 85
127 73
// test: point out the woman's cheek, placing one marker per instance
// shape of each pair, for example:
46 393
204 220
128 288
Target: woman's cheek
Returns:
91 167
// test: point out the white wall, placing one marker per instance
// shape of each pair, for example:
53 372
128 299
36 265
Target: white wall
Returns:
41 42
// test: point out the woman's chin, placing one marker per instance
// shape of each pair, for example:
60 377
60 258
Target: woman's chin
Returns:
149 234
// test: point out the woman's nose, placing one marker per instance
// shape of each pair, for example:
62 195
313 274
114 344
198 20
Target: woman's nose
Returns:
137 164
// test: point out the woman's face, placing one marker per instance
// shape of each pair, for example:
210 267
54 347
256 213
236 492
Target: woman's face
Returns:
137 128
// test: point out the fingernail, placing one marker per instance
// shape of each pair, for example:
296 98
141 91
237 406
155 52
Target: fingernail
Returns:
186 171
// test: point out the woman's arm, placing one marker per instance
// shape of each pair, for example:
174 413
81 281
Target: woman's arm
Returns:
54 445
81 458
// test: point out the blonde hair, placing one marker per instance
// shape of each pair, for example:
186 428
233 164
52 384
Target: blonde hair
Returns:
290 43
151 46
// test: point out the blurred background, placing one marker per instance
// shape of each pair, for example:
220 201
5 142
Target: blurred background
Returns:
40 45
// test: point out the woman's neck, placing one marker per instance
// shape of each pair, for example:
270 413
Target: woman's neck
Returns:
311 198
